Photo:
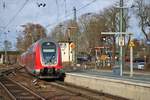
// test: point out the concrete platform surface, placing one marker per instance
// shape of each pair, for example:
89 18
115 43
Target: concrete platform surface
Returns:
135 88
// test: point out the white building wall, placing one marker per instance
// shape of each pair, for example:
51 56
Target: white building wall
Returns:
66 51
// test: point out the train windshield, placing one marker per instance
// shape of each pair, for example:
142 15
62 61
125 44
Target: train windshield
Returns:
49 53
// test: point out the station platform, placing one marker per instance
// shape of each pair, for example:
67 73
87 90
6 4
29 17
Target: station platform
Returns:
133 88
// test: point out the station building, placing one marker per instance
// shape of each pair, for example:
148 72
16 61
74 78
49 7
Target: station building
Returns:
67 51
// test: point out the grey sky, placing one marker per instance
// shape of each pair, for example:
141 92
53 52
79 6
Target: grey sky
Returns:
53 13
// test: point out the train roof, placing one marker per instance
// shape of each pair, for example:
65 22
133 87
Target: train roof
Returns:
44 40
47 40
31 47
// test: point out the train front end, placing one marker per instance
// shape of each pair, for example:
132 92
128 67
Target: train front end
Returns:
50 62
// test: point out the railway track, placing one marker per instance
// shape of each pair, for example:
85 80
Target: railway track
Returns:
17 91
73 90
53 90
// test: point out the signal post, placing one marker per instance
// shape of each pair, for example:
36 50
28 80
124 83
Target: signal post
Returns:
131 45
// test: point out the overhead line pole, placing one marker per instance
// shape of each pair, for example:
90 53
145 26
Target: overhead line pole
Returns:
75 13
75 35
121 30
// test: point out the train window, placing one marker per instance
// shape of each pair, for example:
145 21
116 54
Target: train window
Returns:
49 52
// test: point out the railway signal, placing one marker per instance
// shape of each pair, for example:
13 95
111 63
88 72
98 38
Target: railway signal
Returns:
72 45
121 41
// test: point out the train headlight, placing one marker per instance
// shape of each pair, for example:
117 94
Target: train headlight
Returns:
55 62
37 70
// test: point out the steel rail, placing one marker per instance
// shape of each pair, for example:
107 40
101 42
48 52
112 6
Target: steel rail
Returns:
8 92
10 86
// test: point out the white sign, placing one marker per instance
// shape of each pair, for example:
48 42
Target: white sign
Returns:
121 41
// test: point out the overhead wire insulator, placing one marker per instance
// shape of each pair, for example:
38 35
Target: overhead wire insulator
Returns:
41 4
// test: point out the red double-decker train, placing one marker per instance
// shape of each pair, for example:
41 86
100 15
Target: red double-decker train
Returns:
43 59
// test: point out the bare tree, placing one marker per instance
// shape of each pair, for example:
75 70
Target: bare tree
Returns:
19 44
91 25
65 30
57 33
31 33
143 12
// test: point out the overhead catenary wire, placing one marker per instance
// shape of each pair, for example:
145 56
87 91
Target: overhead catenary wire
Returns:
71 13
86 5
13 18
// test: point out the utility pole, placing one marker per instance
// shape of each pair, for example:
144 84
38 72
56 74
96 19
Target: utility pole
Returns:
68 32
75 13
75 35
121 30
